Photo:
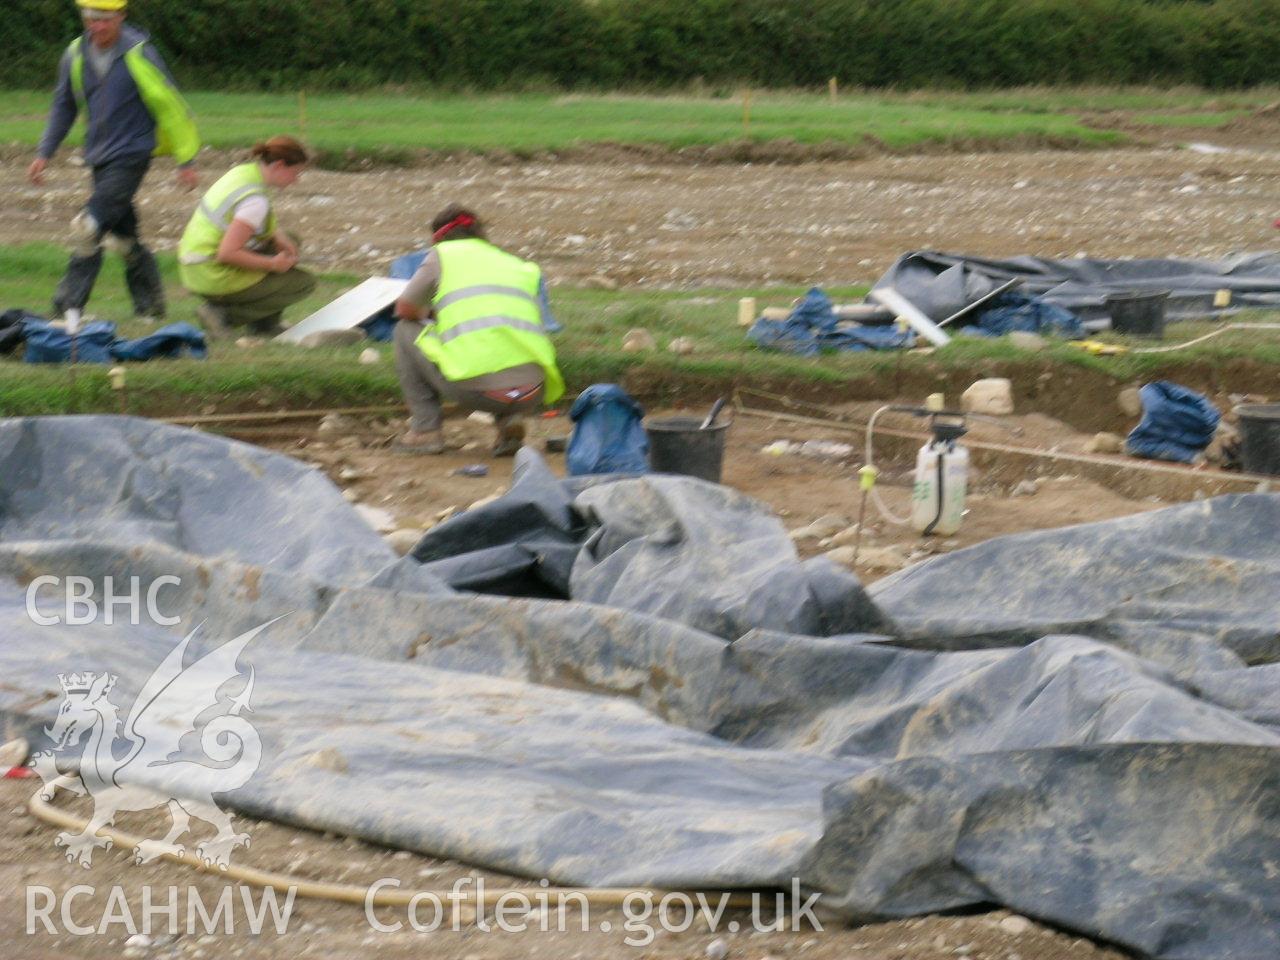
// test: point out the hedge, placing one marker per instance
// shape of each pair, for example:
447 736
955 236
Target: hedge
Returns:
509 44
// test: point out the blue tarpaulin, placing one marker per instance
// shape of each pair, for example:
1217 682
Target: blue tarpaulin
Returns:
1177 423
97 342
608 433
813 326
1018 311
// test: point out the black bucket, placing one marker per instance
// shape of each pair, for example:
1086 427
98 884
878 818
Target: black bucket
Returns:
679 445
1137 314
1260 437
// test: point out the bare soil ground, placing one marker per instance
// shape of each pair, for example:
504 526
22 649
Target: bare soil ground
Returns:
673 221
418 492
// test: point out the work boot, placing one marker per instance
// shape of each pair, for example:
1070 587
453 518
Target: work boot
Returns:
429 442
213 319
268 327
510 437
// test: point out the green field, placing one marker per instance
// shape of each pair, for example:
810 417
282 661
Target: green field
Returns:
404 123
397 127
370 123
269 376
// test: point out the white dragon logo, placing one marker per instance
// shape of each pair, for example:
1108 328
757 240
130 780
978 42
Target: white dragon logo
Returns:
168 708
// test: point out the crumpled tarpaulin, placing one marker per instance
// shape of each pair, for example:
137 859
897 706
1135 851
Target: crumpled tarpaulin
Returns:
1081 725
813 327
608 433
1177 423
97 342
940 284
1012 311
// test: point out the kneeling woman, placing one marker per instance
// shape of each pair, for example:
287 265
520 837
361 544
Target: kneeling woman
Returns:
232 253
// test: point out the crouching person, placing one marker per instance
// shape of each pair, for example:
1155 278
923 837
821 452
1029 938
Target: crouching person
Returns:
232 252
473 329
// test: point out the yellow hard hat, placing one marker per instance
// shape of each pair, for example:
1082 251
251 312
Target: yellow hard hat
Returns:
109 6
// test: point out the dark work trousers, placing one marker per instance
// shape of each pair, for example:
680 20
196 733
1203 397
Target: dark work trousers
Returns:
424 386
261 306
111 206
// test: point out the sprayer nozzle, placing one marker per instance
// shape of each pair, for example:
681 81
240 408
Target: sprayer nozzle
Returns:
867 476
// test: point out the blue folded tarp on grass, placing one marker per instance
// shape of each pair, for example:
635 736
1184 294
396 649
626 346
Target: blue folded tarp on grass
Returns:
1018 311
97 342
813 327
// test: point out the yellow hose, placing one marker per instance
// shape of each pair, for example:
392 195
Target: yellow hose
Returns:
350 893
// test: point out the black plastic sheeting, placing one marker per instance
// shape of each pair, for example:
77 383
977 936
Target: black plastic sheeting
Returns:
1082 725
941 284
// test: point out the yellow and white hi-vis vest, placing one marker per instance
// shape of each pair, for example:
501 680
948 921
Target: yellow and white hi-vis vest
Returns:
488 316
176 134
198 265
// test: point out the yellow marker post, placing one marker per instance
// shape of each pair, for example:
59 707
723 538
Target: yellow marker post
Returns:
866 480
746 113
302 114
117 376
833 88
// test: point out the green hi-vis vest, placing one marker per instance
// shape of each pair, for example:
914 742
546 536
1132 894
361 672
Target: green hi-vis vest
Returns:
488 317
198 265
176 134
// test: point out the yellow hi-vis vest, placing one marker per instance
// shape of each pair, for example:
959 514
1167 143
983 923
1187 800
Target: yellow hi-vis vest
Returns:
176 134
488 316
198 265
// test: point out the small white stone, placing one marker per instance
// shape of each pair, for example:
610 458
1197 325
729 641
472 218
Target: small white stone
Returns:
404 540
1130 401
1015 925
846 537
825 526
717 949
370 356
880 558
841 555
638 340
1105 443
683 346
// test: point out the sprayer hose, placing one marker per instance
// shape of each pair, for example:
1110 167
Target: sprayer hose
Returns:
867 459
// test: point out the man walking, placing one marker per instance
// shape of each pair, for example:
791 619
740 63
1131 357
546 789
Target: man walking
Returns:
133 111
